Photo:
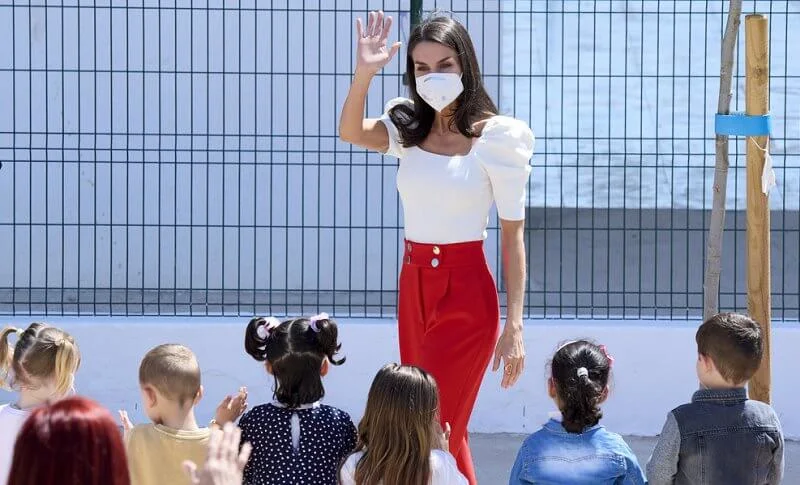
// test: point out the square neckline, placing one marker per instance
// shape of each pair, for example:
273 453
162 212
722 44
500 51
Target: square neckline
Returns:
442 155
471 147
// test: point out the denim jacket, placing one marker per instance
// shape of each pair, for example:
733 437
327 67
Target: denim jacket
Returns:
596 456
721 437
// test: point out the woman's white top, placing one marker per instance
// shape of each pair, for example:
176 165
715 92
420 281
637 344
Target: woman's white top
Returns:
446 199
444 470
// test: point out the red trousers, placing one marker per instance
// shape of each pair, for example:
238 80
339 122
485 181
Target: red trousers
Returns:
449 318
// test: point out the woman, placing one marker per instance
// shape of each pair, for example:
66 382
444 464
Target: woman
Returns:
457 157
73 441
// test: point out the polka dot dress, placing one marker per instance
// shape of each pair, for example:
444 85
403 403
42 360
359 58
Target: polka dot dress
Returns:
326 437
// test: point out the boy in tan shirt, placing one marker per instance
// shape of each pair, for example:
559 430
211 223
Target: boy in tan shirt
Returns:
169 377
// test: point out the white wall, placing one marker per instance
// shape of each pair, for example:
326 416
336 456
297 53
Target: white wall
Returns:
654 369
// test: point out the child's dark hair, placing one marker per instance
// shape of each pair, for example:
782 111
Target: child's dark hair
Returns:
580 371
295 349
734 343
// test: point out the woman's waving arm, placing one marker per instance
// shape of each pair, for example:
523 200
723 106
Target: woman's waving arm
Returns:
372 54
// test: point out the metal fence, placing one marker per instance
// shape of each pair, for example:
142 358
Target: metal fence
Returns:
181 157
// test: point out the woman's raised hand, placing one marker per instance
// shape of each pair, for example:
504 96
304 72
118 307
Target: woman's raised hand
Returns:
372 50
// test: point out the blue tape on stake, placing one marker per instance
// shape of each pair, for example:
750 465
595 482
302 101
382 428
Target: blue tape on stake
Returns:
740 124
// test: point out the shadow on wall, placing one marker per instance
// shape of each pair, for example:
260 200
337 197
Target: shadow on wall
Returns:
648 263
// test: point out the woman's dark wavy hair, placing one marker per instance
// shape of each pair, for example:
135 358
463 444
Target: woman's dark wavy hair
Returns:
580 396
296 352
472 105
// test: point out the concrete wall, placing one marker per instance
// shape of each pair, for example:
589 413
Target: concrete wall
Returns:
654 369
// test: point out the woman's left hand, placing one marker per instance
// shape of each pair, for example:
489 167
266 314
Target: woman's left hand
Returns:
511 351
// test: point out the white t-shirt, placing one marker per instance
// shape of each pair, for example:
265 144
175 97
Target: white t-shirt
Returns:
444 470
11 420
447 199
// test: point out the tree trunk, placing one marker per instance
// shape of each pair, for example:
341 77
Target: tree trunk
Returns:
717 224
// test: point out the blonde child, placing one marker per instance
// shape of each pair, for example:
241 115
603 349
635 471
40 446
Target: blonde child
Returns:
169 378
41 367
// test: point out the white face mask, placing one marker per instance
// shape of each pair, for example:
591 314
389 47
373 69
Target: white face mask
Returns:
439 89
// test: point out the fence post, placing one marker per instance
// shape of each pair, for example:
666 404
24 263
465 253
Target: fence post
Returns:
416 15
758 226
416 12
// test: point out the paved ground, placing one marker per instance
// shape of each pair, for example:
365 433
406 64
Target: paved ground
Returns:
494 455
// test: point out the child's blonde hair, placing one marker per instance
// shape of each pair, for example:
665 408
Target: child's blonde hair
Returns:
173 370
398 430
41 352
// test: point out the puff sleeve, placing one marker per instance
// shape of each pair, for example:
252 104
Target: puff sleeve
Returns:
504 149
396 149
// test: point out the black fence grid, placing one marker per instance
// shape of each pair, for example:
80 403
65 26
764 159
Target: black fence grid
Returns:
181 157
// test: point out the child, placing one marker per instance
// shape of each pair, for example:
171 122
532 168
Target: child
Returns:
169 377
295 439
573 448
400 440
74 441
41 366
721 436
